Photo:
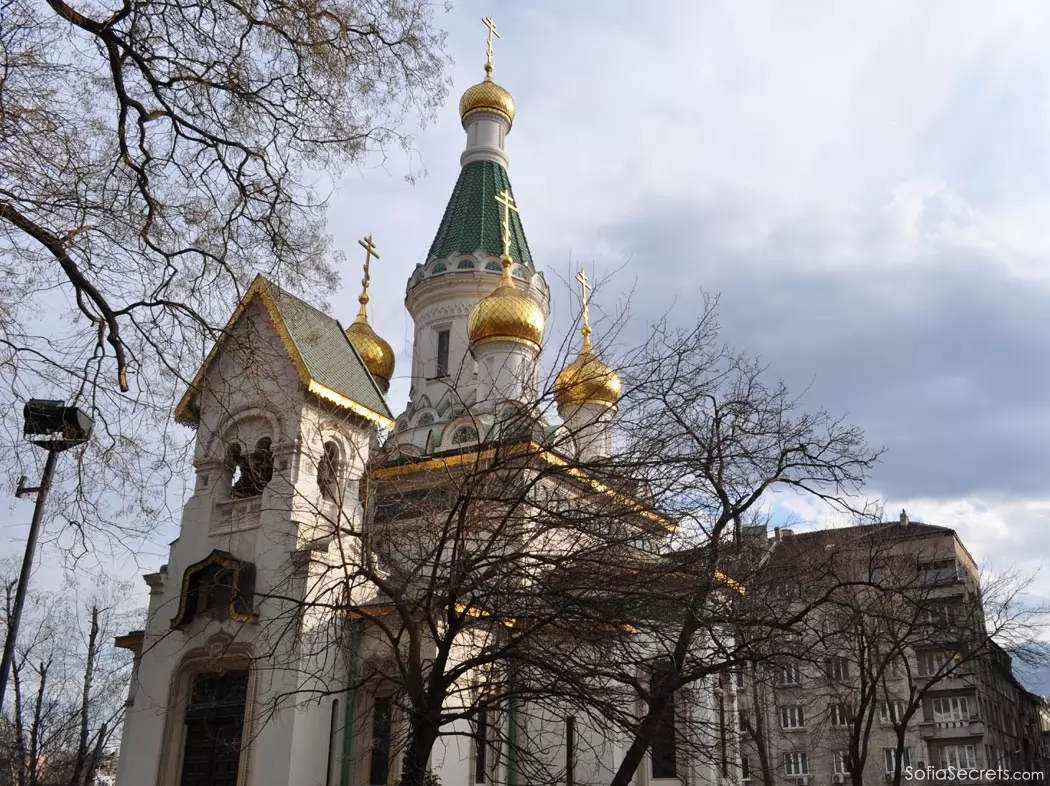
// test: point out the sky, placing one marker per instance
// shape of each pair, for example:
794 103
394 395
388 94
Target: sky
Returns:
865 185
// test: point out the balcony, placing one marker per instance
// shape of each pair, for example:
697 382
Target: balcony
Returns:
236 515
951 730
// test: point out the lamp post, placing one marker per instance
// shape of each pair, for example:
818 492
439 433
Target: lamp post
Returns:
54 427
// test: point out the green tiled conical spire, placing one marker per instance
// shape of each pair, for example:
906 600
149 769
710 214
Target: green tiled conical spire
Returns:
472 217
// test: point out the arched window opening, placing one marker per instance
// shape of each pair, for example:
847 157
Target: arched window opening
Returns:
215 590
214 724
665 739
328 472
253 471
493 266
465 264
464 434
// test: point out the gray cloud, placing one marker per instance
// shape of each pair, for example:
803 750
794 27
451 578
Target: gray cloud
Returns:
939 358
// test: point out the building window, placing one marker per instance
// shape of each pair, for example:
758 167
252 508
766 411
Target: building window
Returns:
333 745
837 669
932 663
954 709
328 472
382 726
789 674
947 616
745 768
481 746
465 434
891 712
939 571
796 764
742 719
791 717
664 758
253 471
442 354
738 675
220 586
889 758
214 722
838 715
465 264
838 763
570 751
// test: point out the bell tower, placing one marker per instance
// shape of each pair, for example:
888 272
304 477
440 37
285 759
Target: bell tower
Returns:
480 246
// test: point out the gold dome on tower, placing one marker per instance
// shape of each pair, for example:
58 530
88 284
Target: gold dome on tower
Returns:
374 351
587 380
377 355
506 315
487 96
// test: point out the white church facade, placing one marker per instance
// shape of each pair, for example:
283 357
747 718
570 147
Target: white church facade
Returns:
276 649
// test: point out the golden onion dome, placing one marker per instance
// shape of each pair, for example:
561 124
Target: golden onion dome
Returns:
374 351
587 381
487 96
506 315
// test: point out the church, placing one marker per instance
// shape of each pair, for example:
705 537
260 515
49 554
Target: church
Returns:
348 584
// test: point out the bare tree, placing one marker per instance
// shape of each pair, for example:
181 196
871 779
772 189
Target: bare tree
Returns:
67 690
713 438
902 613
153 158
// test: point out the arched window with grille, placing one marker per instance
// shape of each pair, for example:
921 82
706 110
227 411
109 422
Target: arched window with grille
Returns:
328 472
464 434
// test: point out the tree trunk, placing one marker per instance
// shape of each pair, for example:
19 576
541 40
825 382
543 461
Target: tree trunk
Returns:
422 734
36 729
80 770
760 736
632 760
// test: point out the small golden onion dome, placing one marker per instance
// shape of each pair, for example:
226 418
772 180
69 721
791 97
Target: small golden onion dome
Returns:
506 315
374 351
487 96
587 381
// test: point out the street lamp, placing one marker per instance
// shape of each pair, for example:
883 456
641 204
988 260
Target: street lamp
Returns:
54 427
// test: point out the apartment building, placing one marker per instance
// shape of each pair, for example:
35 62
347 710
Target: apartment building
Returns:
893 664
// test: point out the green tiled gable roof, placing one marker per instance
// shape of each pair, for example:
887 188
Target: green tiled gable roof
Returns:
472 217
329 356
325 360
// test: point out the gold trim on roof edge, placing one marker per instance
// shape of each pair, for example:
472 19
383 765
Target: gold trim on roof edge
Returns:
539 451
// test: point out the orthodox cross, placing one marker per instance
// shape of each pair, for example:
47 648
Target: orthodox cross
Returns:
584 287
370 251
507 201
490 23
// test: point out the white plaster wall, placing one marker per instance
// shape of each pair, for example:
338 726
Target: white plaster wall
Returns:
254 386
591 428
486 135
507 371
